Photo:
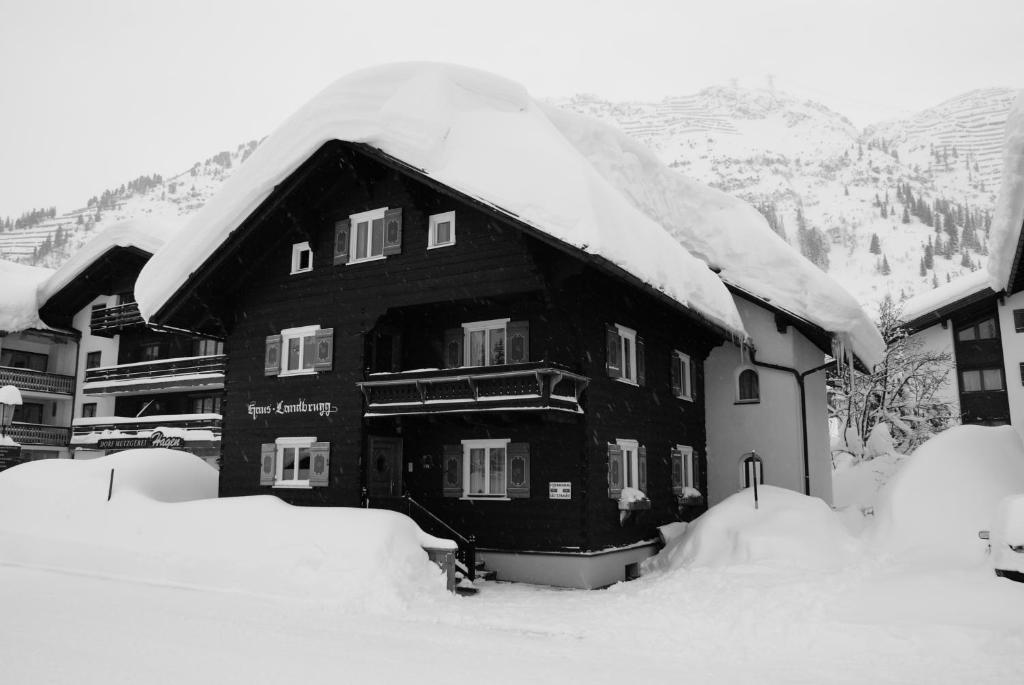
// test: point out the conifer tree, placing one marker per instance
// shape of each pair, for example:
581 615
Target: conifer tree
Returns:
922 271
906 215
875 247
886 269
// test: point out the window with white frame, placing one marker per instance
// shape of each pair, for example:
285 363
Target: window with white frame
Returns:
367 235
748 386
293 461
298 350
302 258
484 342
485 464
688 467
682 375
630 463
441 231
625 354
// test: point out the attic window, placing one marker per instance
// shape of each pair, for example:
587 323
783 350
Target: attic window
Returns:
367 235
302 258
441 230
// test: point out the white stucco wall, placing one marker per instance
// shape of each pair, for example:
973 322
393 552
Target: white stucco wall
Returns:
939 339
92 343
771 427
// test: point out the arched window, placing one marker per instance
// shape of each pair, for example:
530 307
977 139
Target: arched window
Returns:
748 386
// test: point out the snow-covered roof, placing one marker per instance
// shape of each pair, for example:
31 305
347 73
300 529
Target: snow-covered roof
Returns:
146 234
945 295
19 309
1004 235
476 133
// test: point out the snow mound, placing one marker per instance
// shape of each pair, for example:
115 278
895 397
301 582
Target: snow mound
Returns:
1008 216
163 525
18 307
787 530
947 491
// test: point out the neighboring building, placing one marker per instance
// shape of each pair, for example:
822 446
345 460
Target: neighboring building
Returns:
464 305
135 386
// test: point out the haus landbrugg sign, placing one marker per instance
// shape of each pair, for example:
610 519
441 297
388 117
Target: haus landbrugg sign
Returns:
156 439
324 409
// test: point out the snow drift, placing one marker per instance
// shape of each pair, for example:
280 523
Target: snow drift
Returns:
19 309
162 526
1008 216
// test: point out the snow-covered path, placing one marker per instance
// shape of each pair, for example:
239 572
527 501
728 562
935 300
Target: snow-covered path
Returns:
877 624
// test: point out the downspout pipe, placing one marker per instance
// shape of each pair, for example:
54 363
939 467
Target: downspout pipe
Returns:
800 377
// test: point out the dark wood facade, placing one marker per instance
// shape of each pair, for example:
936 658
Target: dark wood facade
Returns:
391 315
980 368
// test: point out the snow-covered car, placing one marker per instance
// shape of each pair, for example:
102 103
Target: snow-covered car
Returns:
1006 539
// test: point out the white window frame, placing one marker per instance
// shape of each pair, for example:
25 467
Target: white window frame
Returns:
686 389
630 462
475 326
627 355
354 220
487 444
433 221
292 334
297 251
285 443
689 474
742 400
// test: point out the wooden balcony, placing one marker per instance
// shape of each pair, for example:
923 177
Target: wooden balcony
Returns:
28 380
536 386
39 434
182 373
109 321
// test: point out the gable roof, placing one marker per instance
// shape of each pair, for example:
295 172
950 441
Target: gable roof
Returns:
19 309
936 305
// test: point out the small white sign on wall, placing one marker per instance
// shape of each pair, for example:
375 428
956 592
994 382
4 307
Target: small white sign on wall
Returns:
560 490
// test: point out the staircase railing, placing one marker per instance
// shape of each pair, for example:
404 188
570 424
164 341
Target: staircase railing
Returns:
467 544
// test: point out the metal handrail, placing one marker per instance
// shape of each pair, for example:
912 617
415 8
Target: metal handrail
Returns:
468 546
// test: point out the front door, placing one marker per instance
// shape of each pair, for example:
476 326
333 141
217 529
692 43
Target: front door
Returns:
384 477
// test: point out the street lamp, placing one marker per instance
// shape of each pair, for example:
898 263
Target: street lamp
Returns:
10 399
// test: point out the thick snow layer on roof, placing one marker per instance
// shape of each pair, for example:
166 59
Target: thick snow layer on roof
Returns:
945 294
474 132
725 232
146 234
19 309
164 524
1009 212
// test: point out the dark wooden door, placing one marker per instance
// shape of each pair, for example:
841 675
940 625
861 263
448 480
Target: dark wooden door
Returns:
384 477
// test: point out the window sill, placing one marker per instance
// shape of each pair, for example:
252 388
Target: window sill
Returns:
381 258
303 372
300 271
486 498
296 485
635 506
686 398
747 402
440 245
626 381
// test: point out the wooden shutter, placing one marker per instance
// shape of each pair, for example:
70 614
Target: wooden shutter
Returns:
342 239
677 376
453 348
677 471
323 345
518 342
451 471
641 365
613 345
518 470
272 357
393 231
641 458
616 470
320 464
268 463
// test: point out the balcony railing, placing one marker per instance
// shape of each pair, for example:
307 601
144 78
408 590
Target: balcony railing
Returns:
108 321
39 434
134 425
38 381
535 385
185 372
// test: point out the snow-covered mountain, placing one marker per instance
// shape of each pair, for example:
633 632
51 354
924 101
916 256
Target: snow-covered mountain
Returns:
858 203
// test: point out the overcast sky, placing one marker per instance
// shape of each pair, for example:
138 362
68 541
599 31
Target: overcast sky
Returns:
94 93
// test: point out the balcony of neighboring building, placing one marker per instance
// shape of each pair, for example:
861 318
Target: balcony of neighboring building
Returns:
25 433
32 371
108 321
205 372
30 381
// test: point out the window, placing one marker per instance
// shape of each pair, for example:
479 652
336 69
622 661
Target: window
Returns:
1018 320
149 353
485 467
748 386
205 405
441 230
484 342
89 410
625 355
367 235
751 471
293 457
17 359
298 350
207 347
981 330
302 258
93 359
630 462
689 467
982 380
28 412
295 462
681 376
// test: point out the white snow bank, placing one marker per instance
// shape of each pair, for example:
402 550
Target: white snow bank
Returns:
723 231
946 294
479 134
1008 532
162 526
1009 211
788 530
147 234
947 491
19 309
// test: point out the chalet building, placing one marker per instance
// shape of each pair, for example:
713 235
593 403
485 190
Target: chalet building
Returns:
40 362
432 299
134 386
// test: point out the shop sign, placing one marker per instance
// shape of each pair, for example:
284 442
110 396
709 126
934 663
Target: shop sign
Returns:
560 490
156 439
324 409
